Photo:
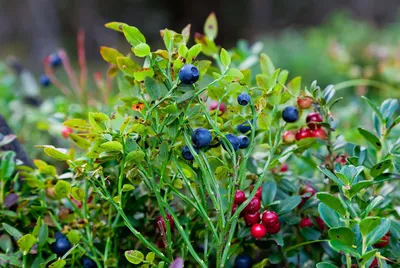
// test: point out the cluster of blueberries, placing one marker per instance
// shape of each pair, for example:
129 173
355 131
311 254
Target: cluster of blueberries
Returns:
55 61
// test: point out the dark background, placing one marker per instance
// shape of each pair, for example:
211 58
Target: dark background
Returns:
31 29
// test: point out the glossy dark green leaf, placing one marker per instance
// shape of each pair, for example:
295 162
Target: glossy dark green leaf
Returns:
326 265
356 188
367 256
268 192
380 167
378 232
329 216
152 88
43 234
310 233
8 165
332 202
343 248
12 231
371 138
368 224
288 204
331 176
343 234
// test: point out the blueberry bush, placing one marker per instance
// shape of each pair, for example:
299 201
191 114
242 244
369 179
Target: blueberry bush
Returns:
205 163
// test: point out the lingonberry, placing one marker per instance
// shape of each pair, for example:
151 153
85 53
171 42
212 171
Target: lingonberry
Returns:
288 137
319 133
269 218
243 99
306 222
252 218
274 229
234 141
44 80
187 154
234 208
160 223
88 262
66 131
189 74
313 120
320 223
304 102
258 231
55 60
61 245
244 142
201 137
240 197
284 168
308 189
253 206
383 242
290 114
374 263
214 106
259 193
303 133
245 127
243 261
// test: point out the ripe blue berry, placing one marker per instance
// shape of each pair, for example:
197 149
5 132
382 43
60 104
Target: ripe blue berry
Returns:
189 74
234 140
201 137
290 114
61 245
55 60
187 154
245 127
88 263
243 99
244 142
44 80
243 261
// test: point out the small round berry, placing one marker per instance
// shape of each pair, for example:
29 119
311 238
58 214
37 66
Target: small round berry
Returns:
234 141
383 242
234 208
88 262
303 133
214 106
259 193
269 218
55 60
201 137
284 168
61 245
258 231
288 137
305 222
245 127
189 74
243 261
290 114
320 223
44 80
240 197
244 142
160 243
274 229
319 133
374 263
253 206
304 102
308 189
66 131
243 99
342 159
187 154
252 218
160 222
313 120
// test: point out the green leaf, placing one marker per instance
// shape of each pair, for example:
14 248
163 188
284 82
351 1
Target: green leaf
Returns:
368 224
116 26
343 234
349 173
264 121
374 203
77 124
232 72
367 256
288 204
74 236
193 52
379 168
62 189
133 35
152 88
310 233
5 243
142 50
136 156
330 175
79 141
12 231
332 202
43 234
141 74
267 67
110 55
26 242
371 138
128 188
78 193
13 260
99 121
294 85
326 265
378 232
375 108
225 58
388 108
127 66
329 216
341 247
8 165
134 256
268 192
356 188
58 264
112 146
56 154
150 257
211 26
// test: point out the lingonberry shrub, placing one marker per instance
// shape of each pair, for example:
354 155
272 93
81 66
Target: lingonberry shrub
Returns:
172 180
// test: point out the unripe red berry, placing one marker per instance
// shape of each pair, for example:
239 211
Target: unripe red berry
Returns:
284 168
320 223
253 206
259 193
258 231
306 222
303 133
214 106
319 134
342 159
269 218
66 131
274 229
313 120
240 197
252 218
384 241
160 222
304 102
288 137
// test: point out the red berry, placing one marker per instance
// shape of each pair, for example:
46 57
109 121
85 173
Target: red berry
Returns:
252 218
259 193
66 131
304 102
384 241
269 218
342 159
214 106
274 229
253 206
313 120
320 223
160 222
288 137
258 231
303 133
306 222
319 134
234 208
284 167
240 197
160 243
374 263
308 189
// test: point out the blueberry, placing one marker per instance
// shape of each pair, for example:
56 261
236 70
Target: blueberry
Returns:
88 263
243 261
244 142
187 154
201 137
290 114
55 60
245 127
44 80
234 140
189 74
61 245
243 99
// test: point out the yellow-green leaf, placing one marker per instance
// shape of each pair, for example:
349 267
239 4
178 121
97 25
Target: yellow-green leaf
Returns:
109 54
211 26
116 26
56 154
78 193
142 50
26 242
134 256
133 35
142 73
79 141
62 189
127 65
225 57
128 187
74 236
60 263
112 146
267 67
